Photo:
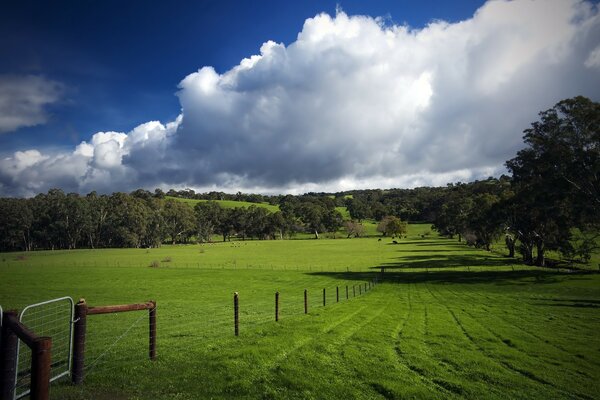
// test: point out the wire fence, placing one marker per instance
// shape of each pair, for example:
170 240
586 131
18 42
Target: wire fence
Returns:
117 342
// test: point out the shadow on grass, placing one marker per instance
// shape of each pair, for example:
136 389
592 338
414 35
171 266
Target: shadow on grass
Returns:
522 277
577 303
447 261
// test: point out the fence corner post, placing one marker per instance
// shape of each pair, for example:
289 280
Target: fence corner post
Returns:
152 332
8 359
79 332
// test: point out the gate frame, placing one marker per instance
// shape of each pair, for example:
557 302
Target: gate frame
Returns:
68 371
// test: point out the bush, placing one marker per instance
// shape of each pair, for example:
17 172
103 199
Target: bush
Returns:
154 264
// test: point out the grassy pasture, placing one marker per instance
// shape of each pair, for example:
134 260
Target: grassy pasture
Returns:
448 321
226 203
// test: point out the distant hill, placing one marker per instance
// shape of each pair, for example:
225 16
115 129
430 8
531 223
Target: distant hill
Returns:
226 203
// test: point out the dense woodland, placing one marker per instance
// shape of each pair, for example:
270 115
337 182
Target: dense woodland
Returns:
550 201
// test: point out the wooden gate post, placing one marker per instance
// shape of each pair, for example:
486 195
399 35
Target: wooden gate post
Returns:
236 314
79 329
8 359
152 331
305 301
41 360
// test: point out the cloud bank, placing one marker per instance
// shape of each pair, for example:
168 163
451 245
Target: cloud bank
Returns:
352 103
23 100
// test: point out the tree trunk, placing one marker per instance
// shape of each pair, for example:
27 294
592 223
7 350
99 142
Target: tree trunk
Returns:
527 251
510 244
459 238
540 260
316 234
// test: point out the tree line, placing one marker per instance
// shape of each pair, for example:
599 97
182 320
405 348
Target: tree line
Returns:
550 201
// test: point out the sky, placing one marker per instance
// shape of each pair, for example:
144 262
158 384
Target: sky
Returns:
280 97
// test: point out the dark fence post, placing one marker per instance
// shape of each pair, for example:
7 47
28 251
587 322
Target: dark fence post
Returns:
337 294
8 359
79 328
353 291
236 315
305 301
365 287
346 292
324 297
41 360
359 290
276 306
152 322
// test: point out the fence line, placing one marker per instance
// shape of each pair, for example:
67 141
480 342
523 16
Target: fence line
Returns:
251 312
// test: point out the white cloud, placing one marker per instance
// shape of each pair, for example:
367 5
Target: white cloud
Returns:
23 100
355 103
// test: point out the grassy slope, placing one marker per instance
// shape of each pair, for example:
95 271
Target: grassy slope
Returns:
432 329
227 203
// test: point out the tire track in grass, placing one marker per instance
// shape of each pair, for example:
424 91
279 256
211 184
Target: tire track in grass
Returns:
538 338
527 374
267 370
403 362
452 367
513 348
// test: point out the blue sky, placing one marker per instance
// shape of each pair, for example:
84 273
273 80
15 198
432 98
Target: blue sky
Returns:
111 66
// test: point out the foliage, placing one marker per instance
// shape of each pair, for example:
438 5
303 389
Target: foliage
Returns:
392 226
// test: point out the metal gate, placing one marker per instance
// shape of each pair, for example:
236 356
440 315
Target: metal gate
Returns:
52 318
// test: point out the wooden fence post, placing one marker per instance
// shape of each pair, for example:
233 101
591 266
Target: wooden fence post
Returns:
346 292
353 291
359 290
276 306
152 326
337 294
236 317
324 297
41 360
305 301
79 329
8 359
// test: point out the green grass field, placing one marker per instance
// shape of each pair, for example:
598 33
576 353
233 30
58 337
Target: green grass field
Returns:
226 203
447 321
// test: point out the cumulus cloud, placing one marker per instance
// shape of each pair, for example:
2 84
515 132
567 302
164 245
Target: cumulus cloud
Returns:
23 100
355 103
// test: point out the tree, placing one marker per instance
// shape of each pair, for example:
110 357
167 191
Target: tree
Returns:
179 220
392 226
332 220
208 218
556 177
354 228
358 209
16 219
311 214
